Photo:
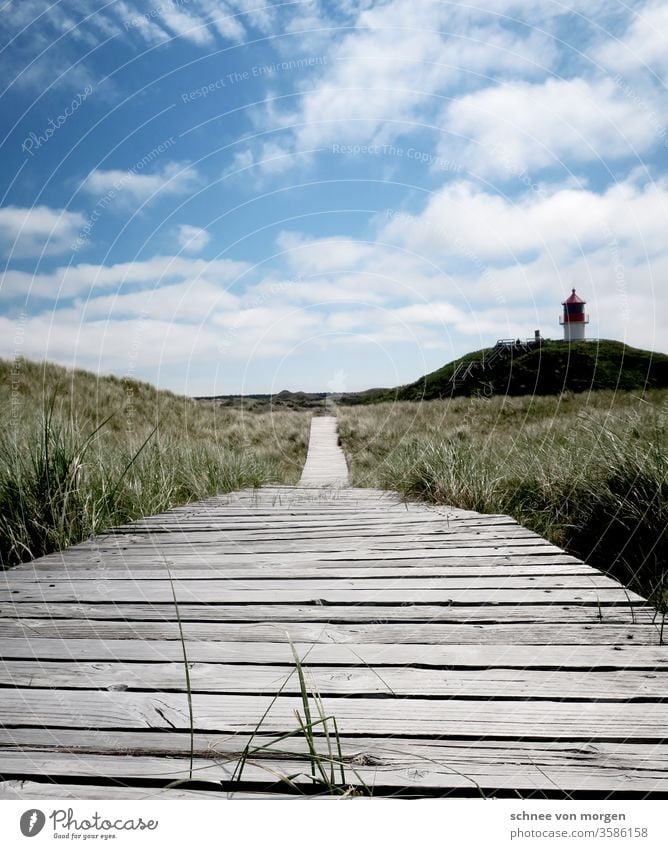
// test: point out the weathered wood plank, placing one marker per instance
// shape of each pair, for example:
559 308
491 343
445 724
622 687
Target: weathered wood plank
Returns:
378 762
510 655
156 561
329 510
354 679
327 539
323 571
327 513
386 538
49 790
418 717
268 581
295 592
155 622
410 548
392 520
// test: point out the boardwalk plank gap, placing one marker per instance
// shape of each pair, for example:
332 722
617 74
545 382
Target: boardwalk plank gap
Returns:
459 652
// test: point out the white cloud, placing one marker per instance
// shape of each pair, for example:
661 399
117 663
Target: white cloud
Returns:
271 158
175 178
241 161
434 312
644 45
85 278
197 21
390 74
192 300
343 269
463 221
267 330
38 230
228 25
189 26
418 320
275 158
107 345
351 287
323 255
134 21
521 125
123 344
193 239
37 44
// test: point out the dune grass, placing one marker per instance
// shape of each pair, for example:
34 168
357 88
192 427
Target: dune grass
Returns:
80 453
588 472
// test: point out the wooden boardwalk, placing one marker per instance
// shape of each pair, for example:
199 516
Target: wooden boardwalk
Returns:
459 652
325 462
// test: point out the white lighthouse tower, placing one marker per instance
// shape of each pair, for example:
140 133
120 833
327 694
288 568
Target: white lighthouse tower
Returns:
574 319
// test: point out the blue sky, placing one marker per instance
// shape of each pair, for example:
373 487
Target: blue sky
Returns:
235 197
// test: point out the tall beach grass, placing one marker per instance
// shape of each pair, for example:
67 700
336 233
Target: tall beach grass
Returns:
80 453
588 472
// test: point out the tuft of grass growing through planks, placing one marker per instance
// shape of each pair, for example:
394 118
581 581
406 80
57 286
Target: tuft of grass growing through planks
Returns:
327 771
186 670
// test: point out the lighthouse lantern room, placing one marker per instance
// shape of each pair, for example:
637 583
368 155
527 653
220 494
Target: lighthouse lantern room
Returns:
574 319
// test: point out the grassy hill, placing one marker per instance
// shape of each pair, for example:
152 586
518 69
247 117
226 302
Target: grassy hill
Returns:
588 472
550 369
79 453
284 400
287 400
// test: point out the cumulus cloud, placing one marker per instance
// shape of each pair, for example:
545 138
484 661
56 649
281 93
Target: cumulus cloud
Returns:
461 219
644 44
524 125
85 279
394 69
39 230
193 239
192 301
134 186
323 255
184 23
242 160
109 345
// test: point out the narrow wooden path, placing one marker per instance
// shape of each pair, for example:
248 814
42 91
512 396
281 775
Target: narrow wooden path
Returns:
459 652
325 463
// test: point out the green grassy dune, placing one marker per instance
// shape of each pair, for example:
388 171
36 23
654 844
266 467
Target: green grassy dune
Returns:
79 453
551 369
588 472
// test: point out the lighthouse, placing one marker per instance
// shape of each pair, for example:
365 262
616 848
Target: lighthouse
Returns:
574 319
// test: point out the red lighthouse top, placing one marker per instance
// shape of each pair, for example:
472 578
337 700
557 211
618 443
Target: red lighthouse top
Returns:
573 299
